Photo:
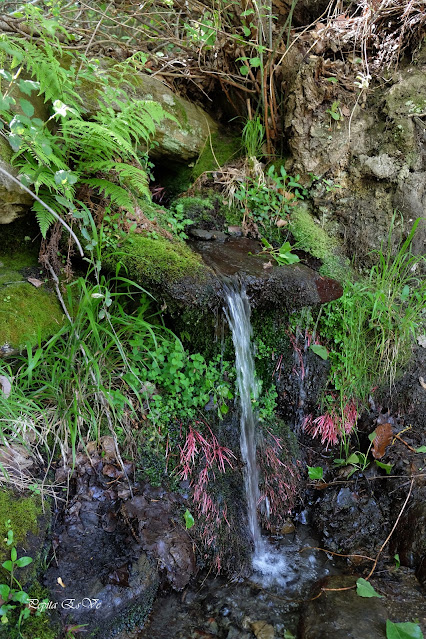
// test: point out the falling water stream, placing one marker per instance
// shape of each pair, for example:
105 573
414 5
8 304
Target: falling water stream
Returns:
266 560
237 312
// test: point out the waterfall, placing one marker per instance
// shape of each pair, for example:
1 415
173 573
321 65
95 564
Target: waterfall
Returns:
237 312
266 561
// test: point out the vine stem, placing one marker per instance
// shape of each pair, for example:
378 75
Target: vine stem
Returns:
55 215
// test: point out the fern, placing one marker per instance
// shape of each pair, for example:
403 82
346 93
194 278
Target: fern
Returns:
44 218
119 196
102 152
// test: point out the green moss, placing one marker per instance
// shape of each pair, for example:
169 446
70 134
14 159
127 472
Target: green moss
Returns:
218 150
313 239
158 261
27 313
23 513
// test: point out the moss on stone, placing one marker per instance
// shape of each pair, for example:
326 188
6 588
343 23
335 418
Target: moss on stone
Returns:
23 513
313 239
156 261
218 150
27 314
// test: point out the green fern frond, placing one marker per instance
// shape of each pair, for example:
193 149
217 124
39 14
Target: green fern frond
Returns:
129 176
44 218
118 196
92 140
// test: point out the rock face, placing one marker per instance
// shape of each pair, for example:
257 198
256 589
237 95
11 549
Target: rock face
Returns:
375 150
14 202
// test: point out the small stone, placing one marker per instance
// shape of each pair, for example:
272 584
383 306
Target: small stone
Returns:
263 630
287 528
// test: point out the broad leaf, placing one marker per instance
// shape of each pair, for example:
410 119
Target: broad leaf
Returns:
386 467
405 630
27 107
365 589
189 519
315 472
422 449
23 561
319 350
20 596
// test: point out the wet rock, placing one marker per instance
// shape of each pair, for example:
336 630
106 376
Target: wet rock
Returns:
207 236
410 536
352 518
342 614
292 286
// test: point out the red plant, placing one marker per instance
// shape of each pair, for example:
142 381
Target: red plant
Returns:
280 479
331 426
199 458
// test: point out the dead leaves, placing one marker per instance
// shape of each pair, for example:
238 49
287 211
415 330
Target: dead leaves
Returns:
382 440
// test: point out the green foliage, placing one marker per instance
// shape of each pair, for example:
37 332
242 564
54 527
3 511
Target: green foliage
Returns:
319 350
57 155
405 630
268 200
14 599
334 111
253 137
365 589
282 255
370 328
189 519
315 472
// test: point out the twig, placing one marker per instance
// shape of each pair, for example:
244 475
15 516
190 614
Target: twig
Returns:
336 554
404 442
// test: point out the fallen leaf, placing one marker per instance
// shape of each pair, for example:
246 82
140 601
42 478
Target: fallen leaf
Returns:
5 385
35 282
382 440
421 341
267 264
422 382
280 223
345 111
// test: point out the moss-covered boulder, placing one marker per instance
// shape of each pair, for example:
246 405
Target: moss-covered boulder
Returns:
28 313
166 268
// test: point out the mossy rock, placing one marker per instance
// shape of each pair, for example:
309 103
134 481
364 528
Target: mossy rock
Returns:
158 260
27 314
313 239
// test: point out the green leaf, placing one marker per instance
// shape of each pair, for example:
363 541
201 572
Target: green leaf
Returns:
287 258
247 12
255 62
405 293
422 449
353 459
189 519
28 86
319 350
6 102
397 562
365 589
405 630
4 592
13 554
334 115
20 596
27 107
332 80
7 565
23 561
315 472
15 142
372 436
244 70
246 31
386 467
65 177
5 75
